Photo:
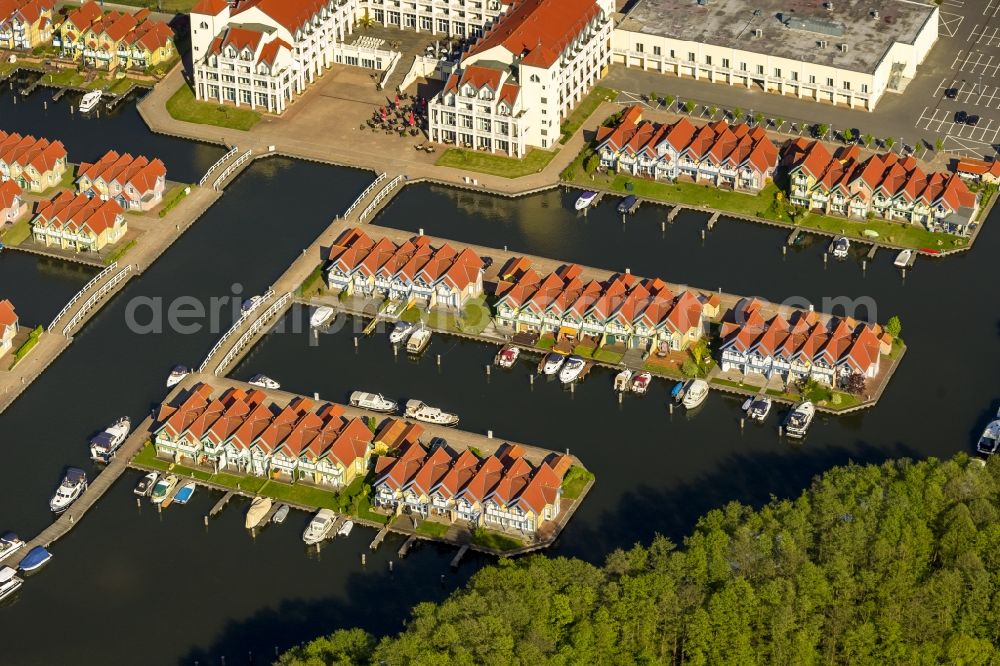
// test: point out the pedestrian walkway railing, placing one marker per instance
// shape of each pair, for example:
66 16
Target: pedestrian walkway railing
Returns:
367 191
255 327
222 160
97 278
231 168
104 289
268 295
383 193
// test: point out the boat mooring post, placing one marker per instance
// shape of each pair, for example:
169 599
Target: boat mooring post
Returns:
355 342
439 360
904 273
390 566
487 369
206 520
703 234
784 250
489 434
670 407
138 502
363 559
864 265
781 431
395 350
531 379
826 257
743 423
621 397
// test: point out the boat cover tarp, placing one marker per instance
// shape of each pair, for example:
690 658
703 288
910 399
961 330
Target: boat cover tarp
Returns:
103 439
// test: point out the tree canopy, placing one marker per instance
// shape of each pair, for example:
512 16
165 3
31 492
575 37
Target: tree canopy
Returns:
880 564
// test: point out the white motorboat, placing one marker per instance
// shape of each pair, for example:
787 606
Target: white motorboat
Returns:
798 420
280 515
903 259
759 407
417 409
72 486
507 356
90 100
162 489
9 582
623 380
640 383
177 375
263 381
319 527
145 485
10 543
257 511
571 369
400 332
553 362
104 445
585 200
840 247
373 402
989 441
345 529
419 340
695 393
320 316
250 305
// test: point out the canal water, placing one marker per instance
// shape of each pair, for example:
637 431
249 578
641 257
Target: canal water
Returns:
39 286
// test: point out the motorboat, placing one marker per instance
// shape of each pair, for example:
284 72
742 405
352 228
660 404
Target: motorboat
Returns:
177 375
507 356
419 340
104 445
695 393
345 529
10 543
571 369
185 492
162 489
840 247
677 392
553 362
9 582
627 204
623 380
146 483
759 407
640 383
265 382
417 409
280 515
72 486
90 100
257 511
250 304
798 420
585 200
320 316
400 332
319 527
903 259
36 558
989 441
373 402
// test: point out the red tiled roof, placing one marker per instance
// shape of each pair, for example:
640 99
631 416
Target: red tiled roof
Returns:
978 167
291 14
7 315
9 193
78 212
84 15
209 7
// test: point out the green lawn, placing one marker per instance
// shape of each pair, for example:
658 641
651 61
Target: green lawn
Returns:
496 165
183 106
313 282
475 317
494 540
583 110
28 345
17 233
430 528
118 253
730 383
300 494
575 481
545 343
72 78
173 197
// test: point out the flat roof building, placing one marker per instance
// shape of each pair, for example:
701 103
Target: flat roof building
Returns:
841 51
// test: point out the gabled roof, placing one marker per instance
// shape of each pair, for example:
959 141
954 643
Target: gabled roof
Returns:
352 443
7 315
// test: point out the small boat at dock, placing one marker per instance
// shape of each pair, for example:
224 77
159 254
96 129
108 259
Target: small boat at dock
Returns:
163 488
265 382
759 407
320 316
280 515
145 485
319 527
373 402
627 204
10 543
903 259
585 200
418 340
400 332
105 445
417 409
177 375
9 582
640 384
90 100
72 486
36 558
345 529
677 392
185 492
553 362
841 245
695 393
623 380
799 419
257 511
507 356
571 369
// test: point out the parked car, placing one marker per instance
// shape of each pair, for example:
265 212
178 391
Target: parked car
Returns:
960 117
951 93
972 120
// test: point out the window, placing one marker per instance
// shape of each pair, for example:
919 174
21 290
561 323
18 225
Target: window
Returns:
777 72
795 76
864 87
812 78
725 63
743 67
656 50
672 54
760 69
829 81
708 60
534 78
639 47
690 57
847 85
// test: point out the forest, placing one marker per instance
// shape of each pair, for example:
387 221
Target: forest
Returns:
895 563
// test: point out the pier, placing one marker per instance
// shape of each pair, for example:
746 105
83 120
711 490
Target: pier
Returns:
221 504
674 212
379 538
792 237
712 220
405 548
458 556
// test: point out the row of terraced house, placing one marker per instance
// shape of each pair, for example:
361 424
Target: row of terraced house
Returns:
413 272
25 24
622 310
114 40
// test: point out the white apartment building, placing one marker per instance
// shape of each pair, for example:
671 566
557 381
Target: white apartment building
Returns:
518 82
847 52
261 53
450 18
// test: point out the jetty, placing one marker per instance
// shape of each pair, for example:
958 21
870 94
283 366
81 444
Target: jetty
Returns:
221 504
459 555
405 548
379 538
712 220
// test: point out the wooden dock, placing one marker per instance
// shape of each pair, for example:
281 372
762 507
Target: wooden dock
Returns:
712 220
370 328
221 504
871 252
792 237
674 212
270 514
377 541
405 548
459 555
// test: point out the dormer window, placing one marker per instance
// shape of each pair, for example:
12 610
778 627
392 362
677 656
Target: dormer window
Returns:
230 52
